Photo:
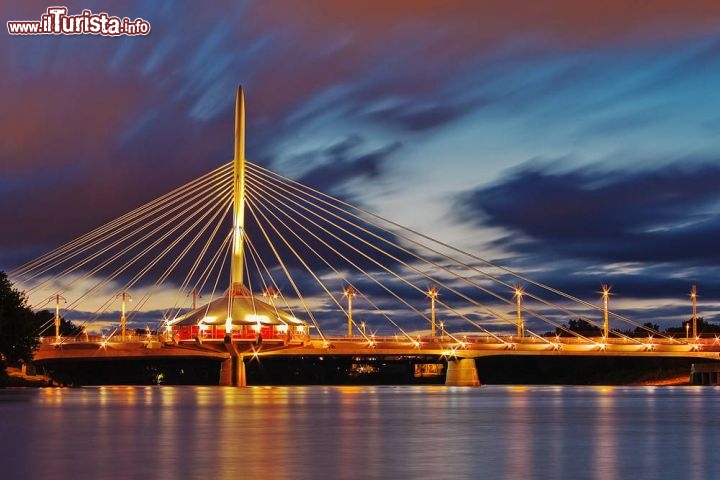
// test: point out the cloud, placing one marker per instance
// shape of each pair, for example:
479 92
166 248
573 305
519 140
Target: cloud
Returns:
332 168
420 116
660 214
94 127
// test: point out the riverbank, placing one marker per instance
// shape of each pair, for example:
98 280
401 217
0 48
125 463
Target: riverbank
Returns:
632 377
16 378
672 381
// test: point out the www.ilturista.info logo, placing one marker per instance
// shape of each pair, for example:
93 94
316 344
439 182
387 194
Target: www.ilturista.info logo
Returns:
57 22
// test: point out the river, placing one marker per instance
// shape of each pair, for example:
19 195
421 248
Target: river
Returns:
417 432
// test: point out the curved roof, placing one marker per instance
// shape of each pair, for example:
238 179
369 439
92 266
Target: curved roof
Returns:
247 310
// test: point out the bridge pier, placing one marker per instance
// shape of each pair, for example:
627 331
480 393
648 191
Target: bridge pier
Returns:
226 373
232 370
705 374
462 373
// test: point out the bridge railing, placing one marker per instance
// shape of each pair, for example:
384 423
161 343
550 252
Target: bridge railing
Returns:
134 338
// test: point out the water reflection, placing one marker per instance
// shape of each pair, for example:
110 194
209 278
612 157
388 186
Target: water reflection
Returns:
359 432
604 434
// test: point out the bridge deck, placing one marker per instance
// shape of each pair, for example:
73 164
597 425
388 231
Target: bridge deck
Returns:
214 349
128 350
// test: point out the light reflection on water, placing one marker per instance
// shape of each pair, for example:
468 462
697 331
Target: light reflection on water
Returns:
360 432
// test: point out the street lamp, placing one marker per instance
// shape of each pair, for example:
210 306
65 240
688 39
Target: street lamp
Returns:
520 326
58 299
693 297
125 297
606 313
432 294
195 294
349 293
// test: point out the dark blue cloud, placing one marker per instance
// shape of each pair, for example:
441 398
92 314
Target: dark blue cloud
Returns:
333 167
661 214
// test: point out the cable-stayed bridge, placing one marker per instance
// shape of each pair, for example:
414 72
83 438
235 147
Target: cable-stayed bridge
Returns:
244 263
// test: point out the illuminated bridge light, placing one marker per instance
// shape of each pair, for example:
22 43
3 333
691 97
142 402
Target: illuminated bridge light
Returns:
257 318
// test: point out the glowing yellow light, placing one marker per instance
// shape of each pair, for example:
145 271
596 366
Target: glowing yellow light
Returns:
282 328
270 292
228 324
257 318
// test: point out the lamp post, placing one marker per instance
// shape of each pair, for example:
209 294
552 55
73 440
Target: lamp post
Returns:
58 298
432 294
349 293
271 294
606 313
693 297
520 326
195 293
125 297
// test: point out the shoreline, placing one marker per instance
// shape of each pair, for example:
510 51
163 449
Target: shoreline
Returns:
16 379
677 381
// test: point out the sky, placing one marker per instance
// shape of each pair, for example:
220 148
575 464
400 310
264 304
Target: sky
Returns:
574 141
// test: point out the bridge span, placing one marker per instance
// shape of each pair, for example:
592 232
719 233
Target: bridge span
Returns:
278 260
229 358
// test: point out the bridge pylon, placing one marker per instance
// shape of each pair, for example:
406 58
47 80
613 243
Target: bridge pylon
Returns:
236 263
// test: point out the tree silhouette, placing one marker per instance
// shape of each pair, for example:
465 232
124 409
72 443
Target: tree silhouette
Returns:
580 326
18 324
702 327
45 321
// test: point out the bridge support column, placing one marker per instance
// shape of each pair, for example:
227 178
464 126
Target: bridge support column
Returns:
462 373
239 372
232 370
705 373
226 373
